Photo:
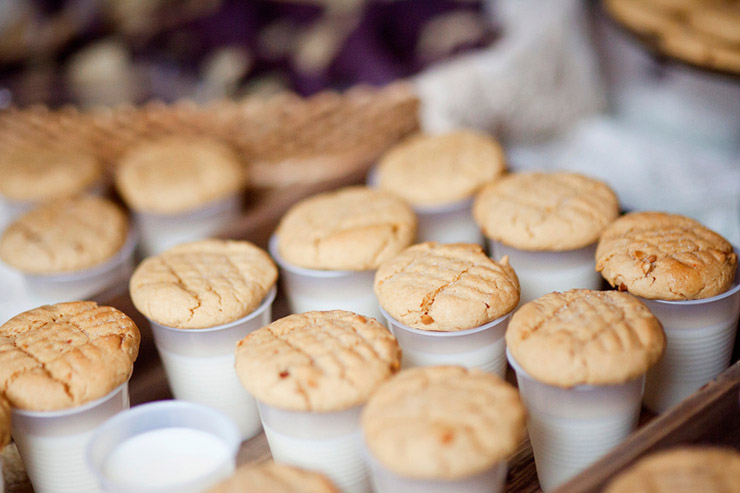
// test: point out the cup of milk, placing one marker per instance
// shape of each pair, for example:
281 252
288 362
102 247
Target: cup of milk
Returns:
166 446
330 442
52 444
700 337
320 290
482 347
542 272
571 428
199 364
450 223
160 232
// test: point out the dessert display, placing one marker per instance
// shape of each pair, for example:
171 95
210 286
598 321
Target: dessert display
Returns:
448 303
201 298
580 359
548 224
439 176
687 275
346 253
329 245
64 370
442 429
311 374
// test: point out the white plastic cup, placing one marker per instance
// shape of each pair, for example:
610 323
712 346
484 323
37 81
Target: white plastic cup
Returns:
52 444
160 232
482 347
447 223
700 337
451 223
571 428
199 364
203 431
386 481
542 272
47 289
329 442
320 290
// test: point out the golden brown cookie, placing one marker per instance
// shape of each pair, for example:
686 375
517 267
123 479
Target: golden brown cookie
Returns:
270 477
202 283
641 16
354 228
545 211
177 174
721 22
585 337
682 470
64 355
38 174
433 170
446 287
65 235
317 361
666 257
693 47
444 422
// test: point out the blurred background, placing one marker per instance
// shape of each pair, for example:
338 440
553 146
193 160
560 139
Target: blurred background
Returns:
564 84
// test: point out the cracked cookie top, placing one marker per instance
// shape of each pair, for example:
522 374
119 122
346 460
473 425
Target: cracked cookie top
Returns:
178 174
36 174
443 422
65 235
64 355
317 361
684 469
439 169
354 228
446 287
269 477
545 211
585 337
202 283
666 257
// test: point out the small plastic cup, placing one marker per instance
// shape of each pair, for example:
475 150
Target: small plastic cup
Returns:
162 231
319 290
571 428
199 364
166 446
52 443
542 272
448 223
329 442
387 481
44 289
700 337
451 223
482 347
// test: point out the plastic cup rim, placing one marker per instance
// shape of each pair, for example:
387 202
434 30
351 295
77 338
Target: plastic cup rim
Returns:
583 387
266 302
202 210
126 250
305 271
59 413
444 334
